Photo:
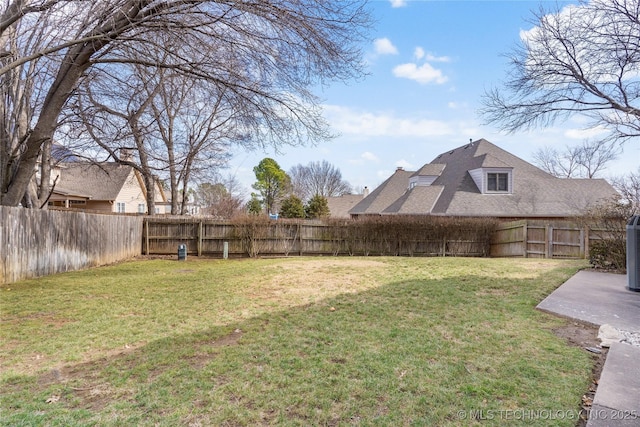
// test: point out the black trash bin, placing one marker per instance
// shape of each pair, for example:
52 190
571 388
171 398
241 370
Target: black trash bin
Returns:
182 252
633 253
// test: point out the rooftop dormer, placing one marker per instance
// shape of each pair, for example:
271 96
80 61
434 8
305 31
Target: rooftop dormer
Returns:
493 176
426 175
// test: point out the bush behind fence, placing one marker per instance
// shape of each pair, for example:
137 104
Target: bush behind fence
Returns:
255 236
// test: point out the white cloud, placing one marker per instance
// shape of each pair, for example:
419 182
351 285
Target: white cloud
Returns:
404 165
365 158
423 74
432 58
383 46
581 134
398 3
367 155
364 124
419 53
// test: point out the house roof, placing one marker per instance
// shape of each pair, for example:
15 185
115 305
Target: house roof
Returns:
91 180
416 202
535 193
430 169
339 206
384 195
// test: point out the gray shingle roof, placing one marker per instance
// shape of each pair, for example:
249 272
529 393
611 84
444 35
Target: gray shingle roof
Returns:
416 201
535 193
339 206
430 169
384 195
96 181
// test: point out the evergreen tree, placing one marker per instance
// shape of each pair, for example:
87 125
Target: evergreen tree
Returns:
254 206
292 207
272 183
318 207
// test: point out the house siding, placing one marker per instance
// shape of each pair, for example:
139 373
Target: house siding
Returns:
477 175
99 205
131 195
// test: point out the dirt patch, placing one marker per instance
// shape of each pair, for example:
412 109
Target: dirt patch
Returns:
83 385
585 336
579 334
201 359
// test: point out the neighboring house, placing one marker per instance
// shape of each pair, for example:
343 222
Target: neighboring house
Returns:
339 206
109 187
192 209
481 179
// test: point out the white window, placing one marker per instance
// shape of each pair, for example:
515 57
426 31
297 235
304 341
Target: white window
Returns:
498 182
141 208
120 207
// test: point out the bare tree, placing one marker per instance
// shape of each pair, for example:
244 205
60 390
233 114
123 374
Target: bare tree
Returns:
319 178
267 55
197 127
583 59
581 161
113 115
220 199
629 188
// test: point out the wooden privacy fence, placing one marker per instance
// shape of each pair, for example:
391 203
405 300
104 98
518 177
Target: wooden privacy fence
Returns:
162 236
536 239
36 243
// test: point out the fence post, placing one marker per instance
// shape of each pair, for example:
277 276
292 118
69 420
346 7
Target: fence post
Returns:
548 242
300 235
587 241
146 232
525 240
582 243
200 238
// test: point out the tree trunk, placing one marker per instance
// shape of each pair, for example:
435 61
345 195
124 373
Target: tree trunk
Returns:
150 195
76 62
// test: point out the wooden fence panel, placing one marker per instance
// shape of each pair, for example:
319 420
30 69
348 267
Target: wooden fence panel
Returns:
567 242
537 239
36 243
510 240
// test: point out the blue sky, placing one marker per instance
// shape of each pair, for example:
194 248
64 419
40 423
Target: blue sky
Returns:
429 63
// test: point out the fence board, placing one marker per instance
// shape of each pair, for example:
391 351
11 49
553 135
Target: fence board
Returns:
36 243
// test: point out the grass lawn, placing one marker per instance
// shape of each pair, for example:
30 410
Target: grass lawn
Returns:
300 341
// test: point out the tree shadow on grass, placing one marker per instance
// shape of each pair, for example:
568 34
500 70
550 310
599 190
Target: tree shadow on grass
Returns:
407 352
